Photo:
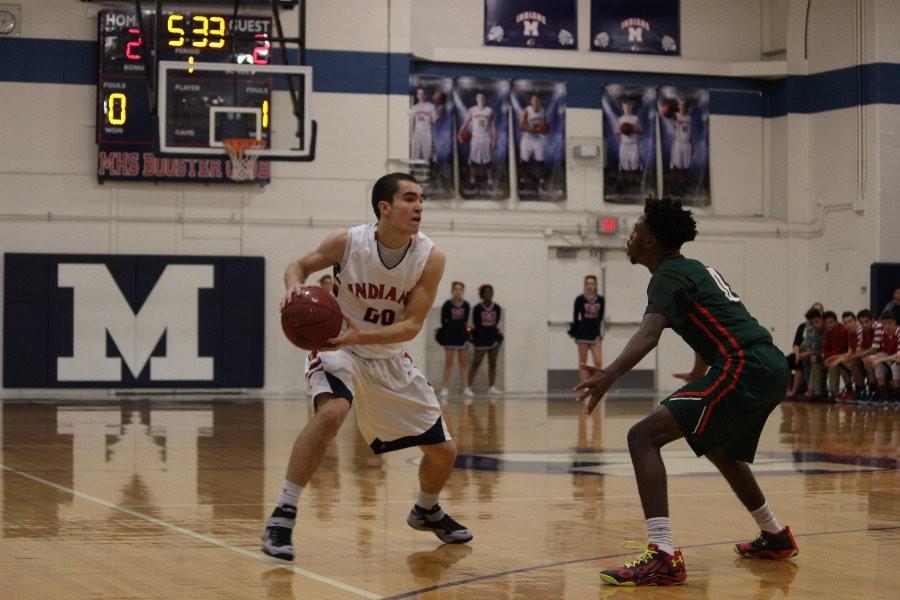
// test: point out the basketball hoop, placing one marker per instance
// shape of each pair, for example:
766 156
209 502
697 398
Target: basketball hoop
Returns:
243 164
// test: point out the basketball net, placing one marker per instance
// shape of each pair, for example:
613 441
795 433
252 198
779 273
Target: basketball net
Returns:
243 165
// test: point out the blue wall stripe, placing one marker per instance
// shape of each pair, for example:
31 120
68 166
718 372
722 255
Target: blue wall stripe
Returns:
33 60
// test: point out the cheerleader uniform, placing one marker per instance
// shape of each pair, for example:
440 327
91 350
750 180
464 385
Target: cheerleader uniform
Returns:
587 318
454 319
486 320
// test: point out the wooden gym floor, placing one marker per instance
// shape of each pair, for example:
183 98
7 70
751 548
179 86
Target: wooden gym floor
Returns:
165 498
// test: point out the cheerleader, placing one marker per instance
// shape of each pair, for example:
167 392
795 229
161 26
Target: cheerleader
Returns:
487 336
585 327
454 337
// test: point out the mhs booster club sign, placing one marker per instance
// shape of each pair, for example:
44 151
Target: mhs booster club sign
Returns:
72 320
636 26
531 23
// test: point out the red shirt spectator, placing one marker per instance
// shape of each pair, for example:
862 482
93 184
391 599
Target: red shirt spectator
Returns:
835 340
865 337
853 338
890 341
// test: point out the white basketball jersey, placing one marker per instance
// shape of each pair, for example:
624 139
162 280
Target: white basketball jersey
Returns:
534 118
631 138
373 296
481 121
682 128
423 115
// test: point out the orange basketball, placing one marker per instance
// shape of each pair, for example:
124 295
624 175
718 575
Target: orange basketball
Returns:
439 98
666 110
626 128
311 318
464 136
543 127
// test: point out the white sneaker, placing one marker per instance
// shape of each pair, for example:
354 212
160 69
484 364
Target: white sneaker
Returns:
468 393
494 390
444 392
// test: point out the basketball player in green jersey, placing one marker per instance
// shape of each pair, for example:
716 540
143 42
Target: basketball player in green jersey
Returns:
739 376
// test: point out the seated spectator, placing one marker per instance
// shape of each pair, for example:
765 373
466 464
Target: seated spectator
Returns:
848 360
793 358
865 337
885 357
810 356
834 348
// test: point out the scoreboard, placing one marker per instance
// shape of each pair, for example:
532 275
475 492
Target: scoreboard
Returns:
125 127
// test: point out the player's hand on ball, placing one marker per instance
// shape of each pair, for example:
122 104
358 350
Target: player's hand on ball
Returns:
348 337
594 387
289 295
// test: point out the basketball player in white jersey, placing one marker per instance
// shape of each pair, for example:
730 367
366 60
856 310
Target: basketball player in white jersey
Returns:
484 136
423 115
629 152
534 127
386 276
681 146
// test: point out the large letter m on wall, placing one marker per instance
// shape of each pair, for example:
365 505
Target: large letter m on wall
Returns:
172 308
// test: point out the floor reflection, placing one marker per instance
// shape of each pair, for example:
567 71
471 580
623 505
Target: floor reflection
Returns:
542 485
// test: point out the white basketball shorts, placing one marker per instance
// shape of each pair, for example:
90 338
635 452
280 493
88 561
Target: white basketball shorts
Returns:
396 407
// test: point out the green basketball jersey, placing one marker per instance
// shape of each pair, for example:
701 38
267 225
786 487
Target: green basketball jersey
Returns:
702 309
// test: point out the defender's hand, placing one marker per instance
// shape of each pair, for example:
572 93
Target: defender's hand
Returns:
594 387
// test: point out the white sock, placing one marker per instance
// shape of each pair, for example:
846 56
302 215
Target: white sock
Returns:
659 532
426 500
765 518
290 493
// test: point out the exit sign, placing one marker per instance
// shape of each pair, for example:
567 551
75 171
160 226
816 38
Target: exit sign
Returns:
608 225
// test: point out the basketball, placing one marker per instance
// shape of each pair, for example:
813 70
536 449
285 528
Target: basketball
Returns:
543 127
666 110
311 318
464 136
626 128
439 97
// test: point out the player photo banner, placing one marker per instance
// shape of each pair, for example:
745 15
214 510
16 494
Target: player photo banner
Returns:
636 26
431 131
531 23
481 105
539 134
684 135
629 134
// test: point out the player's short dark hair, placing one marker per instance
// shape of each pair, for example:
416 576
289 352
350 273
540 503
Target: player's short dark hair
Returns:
864 314
484 287
847 313
386 187
813 313
670 223
829 314
594 277
453 284
889 315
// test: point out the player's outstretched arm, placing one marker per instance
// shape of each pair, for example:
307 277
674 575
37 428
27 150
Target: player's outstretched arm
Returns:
328 253
641 343
421 298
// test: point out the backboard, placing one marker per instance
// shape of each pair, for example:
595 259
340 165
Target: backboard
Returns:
201 103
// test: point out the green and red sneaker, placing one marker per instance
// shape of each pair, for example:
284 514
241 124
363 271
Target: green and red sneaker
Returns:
771 546
653 567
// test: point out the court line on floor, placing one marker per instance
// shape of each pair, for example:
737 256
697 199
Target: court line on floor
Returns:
198 536
573 561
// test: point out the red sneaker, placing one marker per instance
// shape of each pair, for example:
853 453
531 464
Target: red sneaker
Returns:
653 567
771 546
847 396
